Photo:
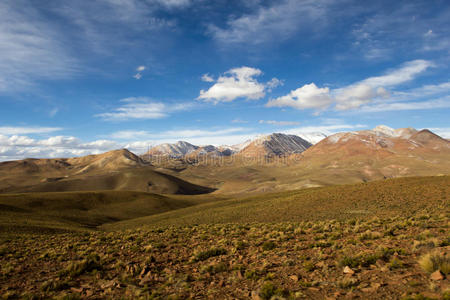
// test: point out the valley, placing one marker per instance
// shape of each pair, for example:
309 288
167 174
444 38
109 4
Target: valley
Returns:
360 214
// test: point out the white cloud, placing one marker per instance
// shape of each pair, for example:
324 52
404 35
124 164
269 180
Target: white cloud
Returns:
236 83
407 72
173 3
423 91
367 90
278 123
280 20
307 96
31 49
441 131
140 68
13 130
239 121
207 78
273 83
355 95
325 129
142 108
393 106
174 134
19 147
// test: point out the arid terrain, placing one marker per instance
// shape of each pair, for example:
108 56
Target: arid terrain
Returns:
356 216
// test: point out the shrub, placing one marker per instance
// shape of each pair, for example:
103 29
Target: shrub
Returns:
431 262
350 261
268 290
204 255
268 245
347 282
395 263
91 263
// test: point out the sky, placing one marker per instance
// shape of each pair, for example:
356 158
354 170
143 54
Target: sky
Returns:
88 76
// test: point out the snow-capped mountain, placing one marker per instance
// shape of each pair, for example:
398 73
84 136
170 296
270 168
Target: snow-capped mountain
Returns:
404 133
178 149
312 137
276 144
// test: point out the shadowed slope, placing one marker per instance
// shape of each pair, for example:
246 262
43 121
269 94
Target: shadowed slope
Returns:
76 210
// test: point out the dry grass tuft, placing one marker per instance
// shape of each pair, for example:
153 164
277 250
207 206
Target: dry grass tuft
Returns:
434 261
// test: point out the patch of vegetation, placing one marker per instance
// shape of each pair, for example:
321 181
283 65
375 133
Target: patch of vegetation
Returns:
434 261
89 264
204 255
269 245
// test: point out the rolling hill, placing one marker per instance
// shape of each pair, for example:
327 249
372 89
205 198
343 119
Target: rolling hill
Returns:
114 170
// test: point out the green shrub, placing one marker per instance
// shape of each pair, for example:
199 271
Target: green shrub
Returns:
204 255
269 245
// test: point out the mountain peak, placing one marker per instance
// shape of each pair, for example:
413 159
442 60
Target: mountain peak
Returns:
276 144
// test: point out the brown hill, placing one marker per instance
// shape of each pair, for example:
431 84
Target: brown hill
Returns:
114 170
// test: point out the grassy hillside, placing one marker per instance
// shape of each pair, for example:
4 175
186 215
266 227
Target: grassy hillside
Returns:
386 239
384 198
77 210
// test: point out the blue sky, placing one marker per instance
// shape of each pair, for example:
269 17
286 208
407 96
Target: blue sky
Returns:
80 77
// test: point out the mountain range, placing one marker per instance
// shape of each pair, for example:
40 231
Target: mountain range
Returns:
345 157
273 144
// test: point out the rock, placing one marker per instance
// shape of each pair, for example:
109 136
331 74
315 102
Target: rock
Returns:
255 296
76 290
144 271
348 270
437 275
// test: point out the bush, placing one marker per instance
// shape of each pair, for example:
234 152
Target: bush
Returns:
268 245
268 290
431 262
350 261
89 264
204 255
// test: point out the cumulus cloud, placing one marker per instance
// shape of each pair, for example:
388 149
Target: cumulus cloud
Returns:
355 95
19 147
236 83
278 123
307 96
142 108
367 90
140 68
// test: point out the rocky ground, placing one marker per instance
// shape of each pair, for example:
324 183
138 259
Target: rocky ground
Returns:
395 258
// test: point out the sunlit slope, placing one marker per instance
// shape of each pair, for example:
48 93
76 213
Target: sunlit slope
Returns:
342 158
114 170
391 197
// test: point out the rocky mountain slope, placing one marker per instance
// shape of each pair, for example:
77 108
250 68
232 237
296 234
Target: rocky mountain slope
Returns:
276 144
